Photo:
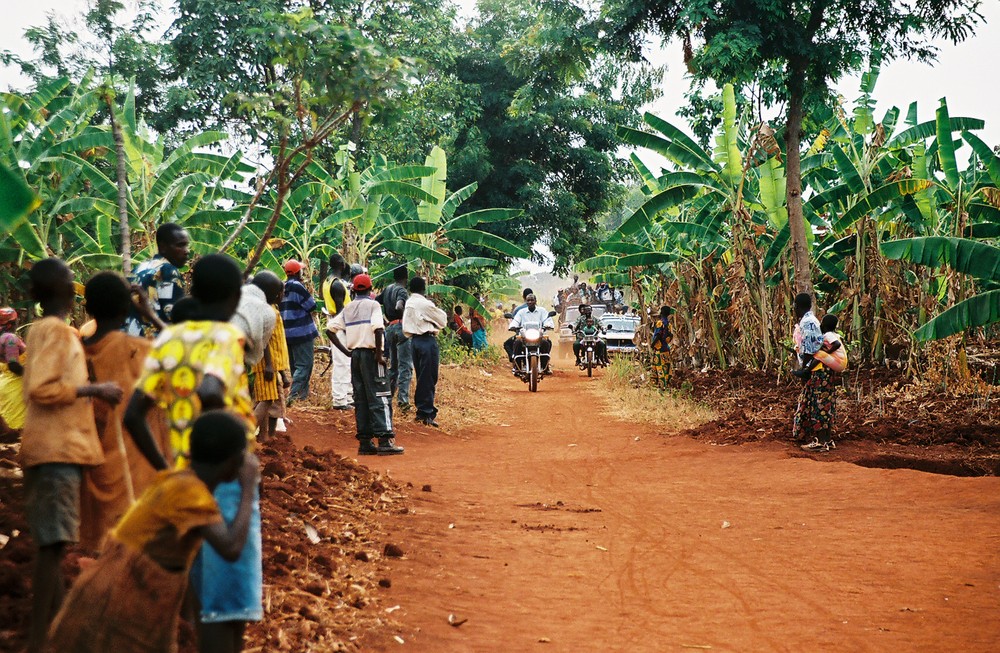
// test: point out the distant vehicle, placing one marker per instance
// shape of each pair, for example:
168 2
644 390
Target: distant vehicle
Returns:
619 333
566 335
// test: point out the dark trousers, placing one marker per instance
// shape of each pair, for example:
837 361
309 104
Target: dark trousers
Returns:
544 347
372 404
397 350
426 358
600 349
300 355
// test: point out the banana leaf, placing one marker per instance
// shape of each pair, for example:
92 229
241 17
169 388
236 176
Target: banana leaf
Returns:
483 216
977 311
879 198
970 257
488 240
461 294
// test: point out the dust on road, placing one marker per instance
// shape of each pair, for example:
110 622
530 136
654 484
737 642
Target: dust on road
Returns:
563 529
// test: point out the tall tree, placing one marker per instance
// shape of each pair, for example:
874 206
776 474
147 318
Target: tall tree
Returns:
794 49
542 137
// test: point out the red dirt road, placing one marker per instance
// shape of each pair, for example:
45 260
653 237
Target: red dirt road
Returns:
575 533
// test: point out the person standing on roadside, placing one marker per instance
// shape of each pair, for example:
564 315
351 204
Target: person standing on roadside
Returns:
160 278
421 322
300 330
397 346
364 330
336 297
661 364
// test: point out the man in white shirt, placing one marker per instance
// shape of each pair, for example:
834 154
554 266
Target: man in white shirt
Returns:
533 316
421 322
364 330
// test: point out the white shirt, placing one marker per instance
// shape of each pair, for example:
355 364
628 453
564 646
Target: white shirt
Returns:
537 318
421 316
358 321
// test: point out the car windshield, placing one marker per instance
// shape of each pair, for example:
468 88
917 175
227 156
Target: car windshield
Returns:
620 324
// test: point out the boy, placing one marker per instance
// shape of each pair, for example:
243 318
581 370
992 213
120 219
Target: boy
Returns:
109 489
130 598
266 390
59 437
363 328
831 352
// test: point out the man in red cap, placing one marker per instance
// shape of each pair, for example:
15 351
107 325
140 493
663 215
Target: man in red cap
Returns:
300 329
363 330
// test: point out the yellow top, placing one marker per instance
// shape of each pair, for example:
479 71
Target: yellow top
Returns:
164 523
181 357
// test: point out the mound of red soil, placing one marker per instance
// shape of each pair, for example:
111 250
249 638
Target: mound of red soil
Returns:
888 421
324 552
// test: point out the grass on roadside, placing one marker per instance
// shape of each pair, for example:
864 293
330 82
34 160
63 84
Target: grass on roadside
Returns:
625 386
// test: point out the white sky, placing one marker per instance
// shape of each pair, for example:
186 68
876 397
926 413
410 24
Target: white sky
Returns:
961 73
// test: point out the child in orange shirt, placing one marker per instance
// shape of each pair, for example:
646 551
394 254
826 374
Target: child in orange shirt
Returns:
129 600
59 438
110 489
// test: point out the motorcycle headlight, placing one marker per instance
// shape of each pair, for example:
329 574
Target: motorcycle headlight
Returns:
532 336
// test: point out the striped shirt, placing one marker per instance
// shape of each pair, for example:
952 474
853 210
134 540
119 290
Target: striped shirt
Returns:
358 322
296 313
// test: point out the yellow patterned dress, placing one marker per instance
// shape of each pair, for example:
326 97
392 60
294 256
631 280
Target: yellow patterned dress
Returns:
662 365
264 390
180 358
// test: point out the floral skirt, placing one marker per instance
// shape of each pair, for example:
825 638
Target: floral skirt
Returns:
817 407
662 367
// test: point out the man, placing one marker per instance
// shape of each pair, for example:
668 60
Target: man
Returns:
160 278
335 299
421 322
533 316
300 331
397 346
508 344
363 328
586 313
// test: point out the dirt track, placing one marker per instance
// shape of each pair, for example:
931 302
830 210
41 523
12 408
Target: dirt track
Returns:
574 533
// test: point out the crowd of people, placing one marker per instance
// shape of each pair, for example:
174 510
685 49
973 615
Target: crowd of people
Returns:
137 428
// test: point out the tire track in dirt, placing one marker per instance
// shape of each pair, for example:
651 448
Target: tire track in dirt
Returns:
818 557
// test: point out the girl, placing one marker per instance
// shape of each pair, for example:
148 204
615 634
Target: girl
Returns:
129 600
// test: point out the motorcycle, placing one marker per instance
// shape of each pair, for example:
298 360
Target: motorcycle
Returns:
588 354
528 363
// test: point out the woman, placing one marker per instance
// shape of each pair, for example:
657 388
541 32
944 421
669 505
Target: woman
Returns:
660 346
11 361
478 325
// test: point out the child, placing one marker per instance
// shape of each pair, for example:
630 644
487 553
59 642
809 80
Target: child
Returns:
195 366
59 438
266 390
129 600
832 353
110 489
590 328
11 390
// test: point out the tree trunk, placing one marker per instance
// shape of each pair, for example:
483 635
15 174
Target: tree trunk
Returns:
796 219
279 204
126 235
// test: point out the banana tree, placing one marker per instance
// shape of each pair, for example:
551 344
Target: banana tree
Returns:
978 260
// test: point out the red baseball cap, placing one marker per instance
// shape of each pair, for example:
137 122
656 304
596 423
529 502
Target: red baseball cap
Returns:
7 315
293 267
362 282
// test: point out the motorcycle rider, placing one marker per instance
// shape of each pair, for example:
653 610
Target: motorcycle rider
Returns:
601 348
532 316
508 344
